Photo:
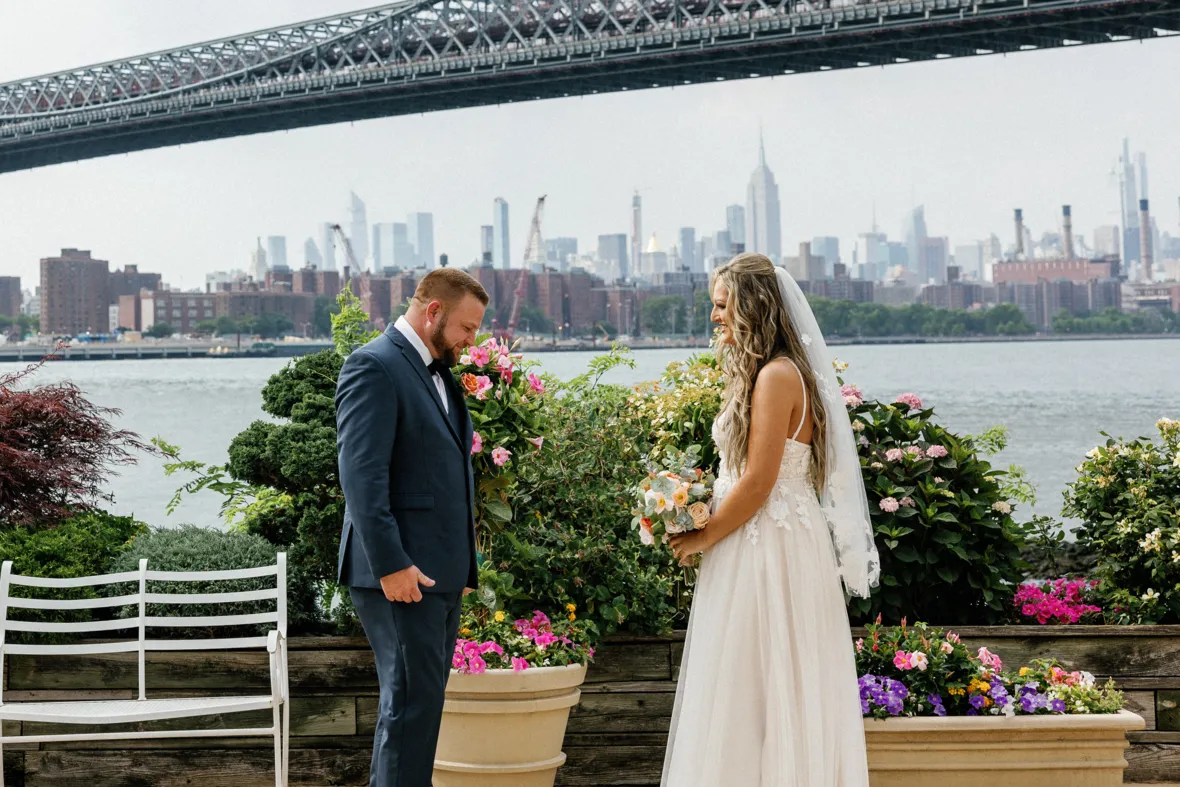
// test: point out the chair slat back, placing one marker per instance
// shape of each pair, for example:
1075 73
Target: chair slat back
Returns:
141 621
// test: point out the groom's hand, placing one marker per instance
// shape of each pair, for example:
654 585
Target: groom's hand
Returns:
403 585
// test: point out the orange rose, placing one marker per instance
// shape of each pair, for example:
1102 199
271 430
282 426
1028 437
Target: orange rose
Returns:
470 383
699 511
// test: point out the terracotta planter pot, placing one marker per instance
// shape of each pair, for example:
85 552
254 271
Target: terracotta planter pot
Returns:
504 728
1024 751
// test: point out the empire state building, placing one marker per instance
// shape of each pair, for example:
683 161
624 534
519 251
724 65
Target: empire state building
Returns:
764 232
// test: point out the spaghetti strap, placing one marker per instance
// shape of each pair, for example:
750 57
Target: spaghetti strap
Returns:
803 417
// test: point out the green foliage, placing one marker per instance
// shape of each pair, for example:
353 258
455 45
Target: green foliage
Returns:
845 318
80 546
950 549
572 541
664 314
1112 320
1127 495
160 330
205 328
1051 555
350 325
679 410
534 321
702 309
325 307
193 548
19 325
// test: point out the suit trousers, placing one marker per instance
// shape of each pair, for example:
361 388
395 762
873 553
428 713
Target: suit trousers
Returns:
413 645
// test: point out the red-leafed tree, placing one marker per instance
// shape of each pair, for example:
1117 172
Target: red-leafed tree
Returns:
56 450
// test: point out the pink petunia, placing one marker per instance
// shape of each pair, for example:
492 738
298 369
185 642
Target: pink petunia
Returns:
909 400
476 443
888 505
519 664
536 383
500 456
479 356
936 452
476 665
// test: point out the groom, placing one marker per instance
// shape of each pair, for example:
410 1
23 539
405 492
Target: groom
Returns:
407 551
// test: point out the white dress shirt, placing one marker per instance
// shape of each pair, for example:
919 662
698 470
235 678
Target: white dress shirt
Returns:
403 326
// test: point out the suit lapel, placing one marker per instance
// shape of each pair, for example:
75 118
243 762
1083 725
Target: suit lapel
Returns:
423 373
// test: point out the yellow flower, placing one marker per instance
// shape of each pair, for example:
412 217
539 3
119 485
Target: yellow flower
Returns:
956 692
1024 671
465 632
573 617
570 607
500 616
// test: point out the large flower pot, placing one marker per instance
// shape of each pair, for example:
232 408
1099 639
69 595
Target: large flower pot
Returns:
504 729
984 751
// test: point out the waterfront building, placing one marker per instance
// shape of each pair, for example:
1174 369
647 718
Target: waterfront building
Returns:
74 294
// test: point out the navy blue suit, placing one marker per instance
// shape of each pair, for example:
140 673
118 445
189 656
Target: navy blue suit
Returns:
405 468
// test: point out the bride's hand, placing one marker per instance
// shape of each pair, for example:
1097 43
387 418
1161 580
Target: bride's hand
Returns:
686 545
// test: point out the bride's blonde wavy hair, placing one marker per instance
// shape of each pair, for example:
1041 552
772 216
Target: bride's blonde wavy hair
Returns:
761 331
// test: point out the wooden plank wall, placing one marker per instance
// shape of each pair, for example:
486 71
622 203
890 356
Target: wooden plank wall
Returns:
615 736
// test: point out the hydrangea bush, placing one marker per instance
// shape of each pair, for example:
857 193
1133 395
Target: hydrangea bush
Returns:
1127 495
950 549
923 671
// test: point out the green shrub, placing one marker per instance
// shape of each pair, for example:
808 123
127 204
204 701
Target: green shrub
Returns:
950 549
1127 495
572 541
193 548
80 546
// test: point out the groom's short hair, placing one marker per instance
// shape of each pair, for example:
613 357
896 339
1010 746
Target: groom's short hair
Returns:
448 286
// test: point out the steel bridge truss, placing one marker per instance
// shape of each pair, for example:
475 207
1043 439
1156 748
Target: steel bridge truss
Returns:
423 56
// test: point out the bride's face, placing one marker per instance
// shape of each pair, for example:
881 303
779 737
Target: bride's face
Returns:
720 312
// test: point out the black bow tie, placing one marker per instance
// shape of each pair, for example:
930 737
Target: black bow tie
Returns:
438 366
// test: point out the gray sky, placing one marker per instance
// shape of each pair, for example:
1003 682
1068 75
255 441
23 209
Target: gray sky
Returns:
971 139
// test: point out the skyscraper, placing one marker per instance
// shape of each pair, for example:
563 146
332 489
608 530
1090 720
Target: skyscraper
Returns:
382 248
915 241
637 234
828 248
404 256
258 266
501 255
311 254
735 224
486 240
763 213
421 236
358 232
328 247
276 252
612 251
1130 200
688 250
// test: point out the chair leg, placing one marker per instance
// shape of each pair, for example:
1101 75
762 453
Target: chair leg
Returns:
279 780
1 759
286 742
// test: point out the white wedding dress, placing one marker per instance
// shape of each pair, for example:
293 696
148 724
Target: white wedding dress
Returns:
767 693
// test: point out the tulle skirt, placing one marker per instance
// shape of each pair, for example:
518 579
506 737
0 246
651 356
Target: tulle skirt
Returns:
767 693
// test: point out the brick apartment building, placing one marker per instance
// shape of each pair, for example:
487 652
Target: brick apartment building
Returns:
75 294
10 296
184 310
130 281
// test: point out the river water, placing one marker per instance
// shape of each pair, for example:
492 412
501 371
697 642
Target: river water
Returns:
1055 397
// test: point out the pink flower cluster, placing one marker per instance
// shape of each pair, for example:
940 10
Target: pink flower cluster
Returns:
936 452
990 660
1061 601
889 505
913 660
469 656
852 395
910 400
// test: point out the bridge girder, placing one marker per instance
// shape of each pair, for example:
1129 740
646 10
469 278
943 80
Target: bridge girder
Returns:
420 56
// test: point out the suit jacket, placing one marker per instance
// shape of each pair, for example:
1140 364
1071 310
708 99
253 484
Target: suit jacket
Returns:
405 468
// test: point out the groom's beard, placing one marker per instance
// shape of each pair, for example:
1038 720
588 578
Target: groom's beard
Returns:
439 344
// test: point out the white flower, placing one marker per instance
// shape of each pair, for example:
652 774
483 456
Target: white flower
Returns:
1094 452
806 339
864 441
859 426
1175 556
1176 461
1087 679
1150 595
1002 506
1151 543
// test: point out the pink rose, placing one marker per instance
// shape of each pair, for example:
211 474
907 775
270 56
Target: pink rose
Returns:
476 443
500 456
479 356
895 455
936 452
888 505
537 384
909 400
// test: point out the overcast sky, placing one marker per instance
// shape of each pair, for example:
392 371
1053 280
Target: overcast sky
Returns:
971 139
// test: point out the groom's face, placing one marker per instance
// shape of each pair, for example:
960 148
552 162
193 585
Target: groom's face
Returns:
453 330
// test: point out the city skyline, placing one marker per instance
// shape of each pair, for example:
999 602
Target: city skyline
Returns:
838 143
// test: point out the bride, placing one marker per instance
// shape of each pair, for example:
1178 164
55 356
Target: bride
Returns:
767 694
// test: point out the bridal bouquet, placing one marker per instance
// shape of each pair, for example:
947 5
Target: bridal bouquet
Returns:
674 497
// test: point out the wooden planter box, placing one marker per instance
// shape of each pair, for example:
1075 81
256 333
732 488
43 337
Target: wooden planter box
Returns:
615 736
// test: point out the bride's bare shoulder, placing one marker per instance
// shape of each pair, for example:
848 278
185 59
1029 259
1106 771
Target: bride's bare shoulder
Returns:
779 378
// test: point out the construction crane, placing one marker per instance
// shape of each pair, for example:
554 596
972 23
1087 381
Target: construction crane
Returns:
534 252
349 257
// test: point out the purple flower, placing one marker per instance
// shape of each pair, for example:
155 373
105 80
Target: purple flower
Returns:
978 701
1057 706
936 701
